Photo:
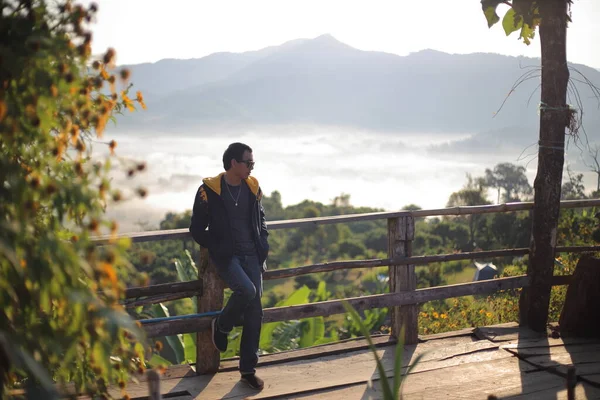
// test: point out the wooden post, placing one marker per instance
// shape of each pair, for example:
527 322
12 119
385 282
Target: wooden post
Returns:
401 232
207 357
153 385
571 382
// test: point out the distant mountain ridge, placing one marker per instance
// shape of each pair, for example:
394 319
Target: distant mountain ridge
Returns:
324 81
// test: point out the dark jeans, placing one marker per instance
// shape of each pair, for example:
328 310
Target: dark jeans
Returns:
244 277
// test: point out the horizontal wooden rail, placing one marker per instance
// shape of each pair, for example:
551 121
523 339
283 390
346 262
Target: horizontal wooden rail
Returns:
577 249
163 288
331 307
379 262
141 296
152 236
159 298
416 260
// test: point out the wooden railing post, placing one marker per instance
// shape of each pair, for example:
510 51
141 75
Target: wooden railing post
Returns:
153 385
207 357
401 232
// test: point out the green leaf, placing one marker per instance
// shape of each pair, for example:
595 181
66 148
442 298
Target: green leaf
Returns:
313 330
300 296
385 385
398 362
511 22
157 360
139 347
189 342
235 338
527 34
176 342
489 10
186 269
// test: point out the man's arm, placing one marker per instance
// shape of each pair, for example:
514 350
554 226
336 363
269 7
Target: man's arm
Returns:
199 221
264 232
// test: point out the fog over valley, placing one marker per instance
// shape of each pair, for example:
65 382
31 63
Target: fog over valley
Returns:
324 119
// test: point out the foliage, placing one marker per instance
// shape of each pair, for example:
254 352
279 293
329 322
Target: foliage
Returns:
434 236
60 320
573 189
472 194
511 178
523 16
393 390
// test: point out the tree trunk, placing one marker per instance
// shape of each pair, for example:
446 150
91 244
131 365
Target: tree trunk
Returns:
553 121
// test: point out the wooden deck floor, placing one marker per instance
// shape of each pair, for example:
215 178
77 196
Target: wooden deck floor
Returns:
502 360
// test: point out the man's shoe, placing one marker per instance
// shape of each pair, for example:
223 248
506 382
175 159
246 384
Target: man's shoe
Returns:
219 338
253 381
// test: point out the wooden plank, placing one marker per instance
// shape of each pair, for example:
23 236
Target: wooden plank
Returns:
391 261
185 234
367 391
404 320
159 298
331 307
586 363
506 332
524 352
345 346
173 372
330 371
582 391
207 356
474 380
592 379
444 335
542 343
344 392
164 288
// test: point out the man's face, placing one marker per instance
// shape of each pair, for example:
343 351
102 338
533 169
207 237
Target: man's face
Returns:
243 167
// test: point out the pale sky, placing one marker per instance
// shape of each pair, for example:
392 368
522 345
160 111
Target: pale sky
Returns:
150 30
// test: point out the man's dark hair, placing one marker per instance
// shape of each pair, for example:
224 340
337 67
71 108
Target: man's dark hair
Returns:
234 151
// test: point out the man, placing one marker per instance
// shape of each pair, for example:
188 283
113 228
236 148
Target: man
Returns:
230 206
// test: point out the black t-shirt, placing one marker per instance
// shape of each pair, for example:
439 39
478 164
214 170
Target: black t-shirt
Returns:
238 208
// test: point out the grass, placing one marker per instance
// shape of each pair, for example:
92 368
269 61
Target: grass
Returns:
464 276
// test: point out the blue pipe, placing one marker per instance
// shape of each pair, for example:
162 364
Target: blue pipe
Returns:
188 316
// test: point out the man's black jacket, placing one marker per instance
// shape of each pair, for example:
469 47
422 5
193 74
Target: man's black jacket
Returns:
210 212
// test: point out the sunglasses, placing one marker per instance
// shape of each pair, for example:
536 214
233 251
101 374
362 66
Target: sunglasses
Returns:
249 163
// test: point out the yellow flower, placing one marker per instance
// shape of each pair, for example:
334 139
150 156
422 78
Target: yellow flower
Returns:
489 315
424 315
3 109
109 272
127 102
435 314
140 99
482 311
443 316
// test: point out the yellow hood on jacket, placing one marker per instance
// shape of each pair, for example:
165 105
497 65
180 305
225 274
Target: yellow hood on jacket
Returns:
215 183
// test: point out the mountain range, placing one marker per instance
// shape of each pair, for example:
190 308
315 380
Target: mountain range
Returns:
326 82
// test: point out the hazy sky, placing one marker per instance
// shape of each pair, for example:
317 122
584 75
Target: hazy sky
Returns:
150 30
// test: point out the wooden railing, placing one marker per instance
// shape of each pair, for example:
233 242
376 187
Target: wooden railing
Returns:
403 297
